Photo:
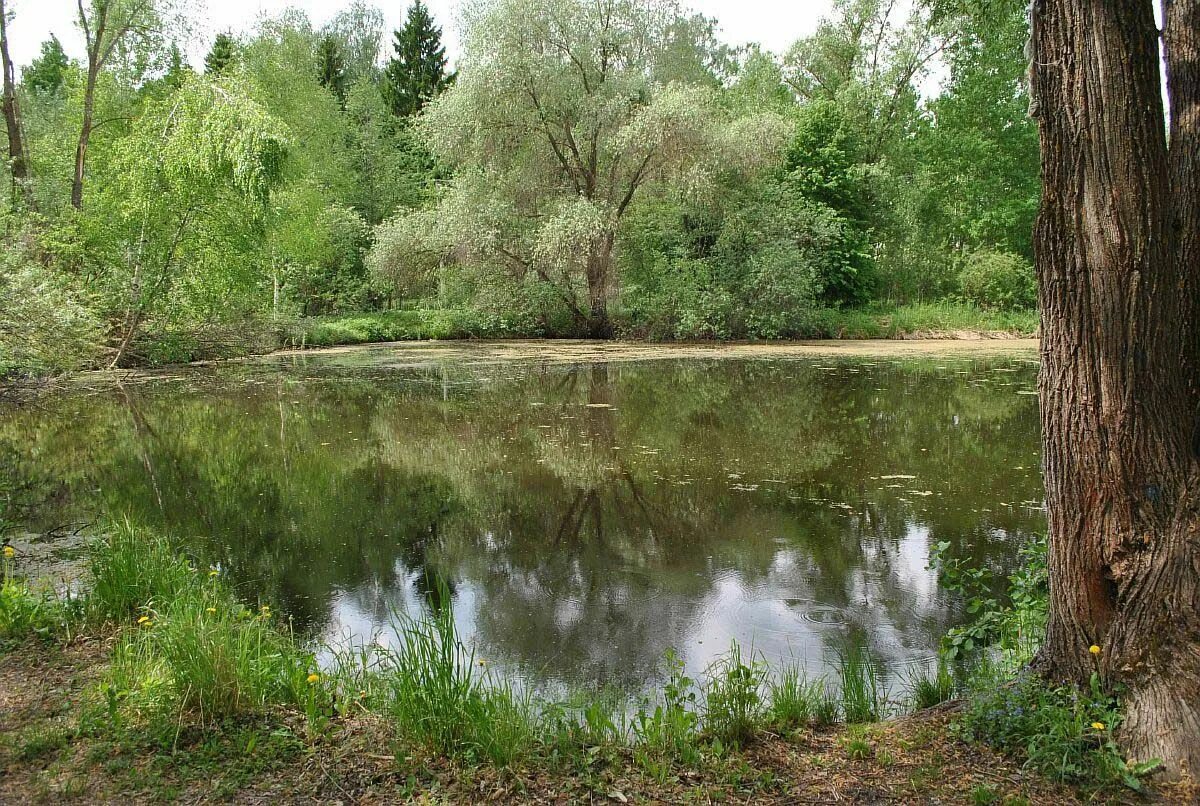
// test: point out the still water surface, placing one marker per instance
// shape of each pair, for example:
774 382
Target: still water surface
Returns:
585 516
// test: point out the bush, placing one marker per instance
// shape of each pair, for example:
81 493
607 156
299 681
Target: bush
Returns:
1064 733
44 327
998 281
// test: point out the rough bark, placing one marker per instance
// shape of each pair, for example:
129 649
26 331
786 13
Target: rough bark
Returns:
18 164
1118 378
98 50
599 267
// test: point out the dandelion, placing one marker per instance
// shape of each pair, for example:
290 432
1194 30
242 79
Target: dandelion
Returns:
145 621
210 610
214 572
9 552
1095 650
1097 726
314 678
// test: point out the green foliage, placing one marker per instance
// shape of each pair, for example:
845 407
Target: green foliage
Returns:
26 610
733 700
221 55
45 74
998 281
416 74
825 166
1014 628
1064 733
669 732
132 571
864 698
588 154
331 67
46 326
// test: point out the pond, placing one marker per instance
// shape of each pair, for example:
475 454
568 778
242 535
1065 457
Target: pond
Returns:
583 508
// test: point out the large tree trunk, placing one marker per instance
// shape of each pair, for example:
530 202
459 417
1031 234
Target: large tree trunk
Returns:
1118 379
12 117
599 266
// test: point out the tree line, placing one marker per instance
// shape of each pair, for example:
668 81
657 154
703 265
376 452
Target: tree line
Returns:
599 169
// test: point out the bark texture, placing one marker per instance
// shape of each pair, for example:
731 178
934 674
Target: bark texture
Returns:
18 164
1116 259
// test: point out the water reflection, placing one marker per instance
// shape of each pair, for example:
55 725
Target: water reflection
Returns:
585 518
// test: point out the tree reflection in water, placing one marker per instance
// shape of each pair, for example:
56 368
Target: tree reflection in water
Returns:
585 518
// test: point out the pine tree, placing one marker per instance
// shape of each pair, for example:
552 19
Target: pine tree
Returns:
417 73
221 55
45 75
331 67
177 68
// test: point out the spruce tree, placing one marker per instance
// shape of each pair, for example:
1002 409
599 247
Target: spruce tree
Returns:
45 75
417 73
220 56
331 67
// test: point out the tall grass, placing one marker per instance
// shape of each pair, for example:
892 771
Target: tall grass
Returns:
864 696
192 653
797 702
734 702
132 571
435 694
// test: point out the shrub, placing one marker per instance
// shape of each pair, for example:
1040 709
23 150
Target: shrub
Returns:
1063 732
998 281
26 611
44 327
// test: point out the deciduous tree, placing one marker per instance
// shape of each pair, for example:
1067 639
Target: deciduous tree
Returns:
1117 248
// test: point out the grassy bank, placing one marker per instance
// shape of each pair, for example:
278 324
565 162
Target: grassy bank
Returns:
935 320
160 659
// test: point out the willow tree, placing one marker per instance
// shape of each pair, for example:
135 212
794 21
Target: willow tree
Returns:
1118 257
217 154
563 113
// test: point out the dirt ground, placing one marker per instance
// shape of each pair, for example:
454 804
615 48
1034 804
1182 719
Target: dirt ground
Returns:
50 753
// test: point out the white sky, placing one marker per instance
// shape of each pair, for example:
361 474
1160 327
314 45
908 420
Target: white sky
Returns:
775 24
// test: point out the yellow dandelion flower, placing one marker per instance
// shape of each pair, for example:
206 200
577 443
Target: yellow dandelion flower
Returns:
143 619
214 572
1095 650
9 552
210 610
1098 726
314 678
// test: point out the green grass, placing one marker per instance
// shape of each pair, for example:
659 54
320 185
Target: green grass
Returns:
28 610
1065 733
922 319
734 701
864 698
192 658
875 322
132 572
927 689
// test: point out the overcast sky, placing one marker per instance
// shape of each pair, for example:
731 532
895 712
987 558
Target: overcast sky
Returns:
774 24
